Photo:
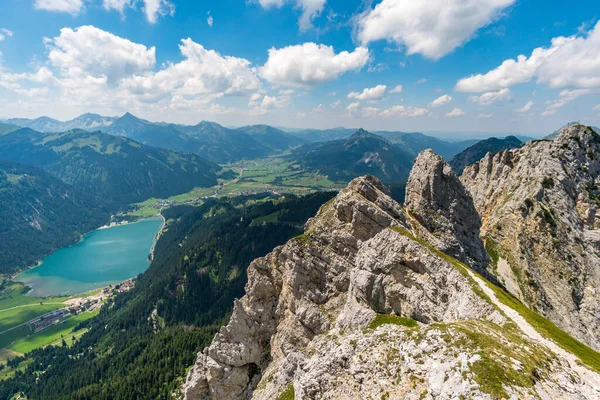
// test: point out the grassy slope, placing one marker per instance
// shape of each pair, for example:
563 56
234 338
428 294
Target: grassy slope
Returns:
587 355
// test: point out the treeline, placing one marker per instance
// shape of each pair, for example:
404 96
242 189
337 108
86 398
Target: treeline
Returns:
140 344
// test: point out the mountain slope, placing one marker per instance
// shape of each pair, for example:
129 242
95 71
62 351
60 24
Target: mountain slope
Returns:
7 128
114 169
141 346
40 214
417 142
479 150
362 306
223 145
541 223
324 135
274 139
148 133
362 153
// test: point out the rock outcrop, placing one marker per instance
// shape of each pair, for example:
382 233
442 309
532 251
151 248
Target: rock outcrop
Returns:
541 224
438 200
362 306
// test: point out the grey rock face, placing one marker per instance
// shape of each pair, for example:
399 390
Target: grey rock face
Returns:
438 200
539 206
348 266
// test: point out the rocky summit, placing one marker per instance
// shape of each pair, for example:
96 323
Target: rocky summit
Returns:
380 301
541 223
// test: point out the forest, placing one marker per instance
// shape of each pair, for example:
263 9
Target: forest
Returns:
142 342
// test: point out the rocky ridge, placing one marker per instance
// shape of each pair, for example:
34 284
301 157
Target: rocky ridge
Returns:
365 305
541 224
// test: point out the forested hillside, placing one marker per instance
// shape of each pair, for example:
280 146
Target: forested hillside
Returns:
40 214
114 169
142 343
362 153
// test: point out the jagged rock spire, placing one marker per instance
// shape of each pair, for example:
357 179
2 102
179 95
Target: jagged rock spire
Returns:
438 200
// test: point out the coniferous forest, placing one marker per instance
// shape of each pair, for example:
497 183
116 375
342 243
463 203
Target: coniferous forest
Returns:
141 344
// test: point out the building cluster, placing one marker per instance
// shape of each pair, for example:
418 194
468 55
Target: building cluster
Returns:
48 319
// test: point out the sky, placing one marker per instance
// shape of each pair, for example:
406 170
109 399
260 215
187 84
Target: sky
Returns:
526 66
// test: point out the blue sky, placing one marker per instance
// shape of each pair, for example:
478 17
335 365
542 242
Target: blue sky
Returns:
418 65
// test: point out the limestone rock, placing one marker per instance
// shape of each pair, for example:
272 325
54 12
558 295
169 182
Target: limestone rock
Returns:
539 205
438 200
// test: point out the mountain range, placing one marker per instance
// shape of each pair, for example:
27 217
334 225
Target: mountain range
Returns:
116 170
223 145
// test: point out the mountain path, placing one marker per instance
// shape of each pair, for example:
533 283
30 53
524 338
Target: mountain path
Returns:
587 375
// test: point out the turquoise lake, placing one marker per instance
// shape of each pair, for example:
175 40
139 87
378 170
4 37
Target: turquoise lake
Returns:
103 257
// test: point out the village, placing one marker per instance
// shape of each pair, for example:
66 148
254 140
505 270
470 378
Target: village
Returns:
78 305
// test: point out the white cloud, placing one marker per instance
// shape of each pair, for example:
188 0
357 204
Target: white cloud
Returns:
254 99
311 9
89 51
309 64
157 8
380 67
396 89
374 93
441 101
73 7
118 5
548 113
564 97
492 97
319 109
210 20
570 62
220 110
597 108
202 73
526 107
402 111
457 112
485 115
432 28
152 8
336 104
422 81
4 33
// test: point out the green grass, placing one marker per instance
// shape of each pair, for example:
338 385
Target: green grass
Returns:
16 316
288 393
269 219
52 334
587 355
383 319
8 338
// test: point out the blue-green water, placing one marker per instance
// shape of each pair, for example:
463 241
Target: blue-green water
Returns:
104 257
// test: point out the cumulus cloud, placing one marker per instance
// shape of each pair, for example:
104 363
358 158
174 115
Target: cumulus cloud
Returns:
210 20
492 97
396 89
89 51
422 81
374 93
432 28
4 33
95 69
457 112
402 111
309 64
569 62
485 115
526 107
73 7
441 101
202 73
